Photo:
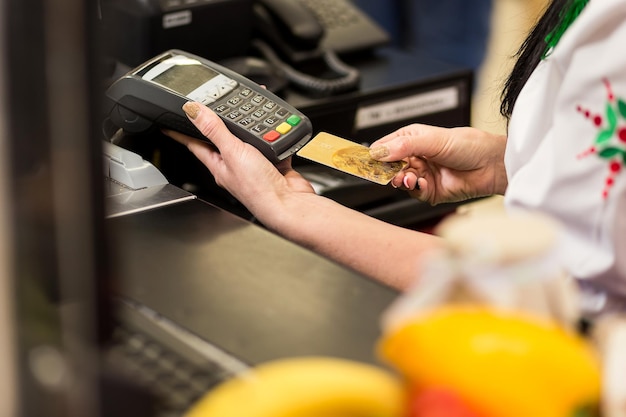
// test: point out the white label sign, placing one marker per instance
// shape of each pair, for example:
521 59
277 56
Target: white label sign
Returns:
407 107
172 20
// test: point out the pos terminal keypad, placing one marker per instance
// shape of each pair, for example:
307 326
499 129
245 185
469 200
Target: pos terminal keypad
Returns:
258 114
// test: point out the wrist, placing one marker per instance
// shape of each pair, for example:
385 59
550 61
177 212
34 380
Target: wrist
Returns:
500 180
284 214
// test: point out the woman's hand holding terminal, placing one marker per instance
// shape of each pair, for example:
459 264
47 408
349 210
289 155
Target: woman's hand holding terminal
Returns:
237 166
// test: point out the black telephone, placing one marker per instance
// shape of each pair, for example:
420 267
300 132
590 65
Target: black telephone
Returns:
292 33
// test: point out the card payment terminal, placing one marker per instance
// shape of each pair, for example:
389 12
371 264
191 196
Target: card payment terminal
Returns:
153 95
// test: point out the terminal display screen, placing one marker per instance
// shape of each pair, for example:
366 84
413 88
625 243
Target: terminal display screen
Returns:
185 78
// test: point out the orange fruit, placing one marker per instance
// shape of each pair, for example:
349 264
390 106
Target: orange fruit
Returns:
502 364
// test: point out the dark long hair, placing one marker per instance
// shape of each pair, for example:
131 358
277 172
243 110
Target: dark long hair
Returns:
529 54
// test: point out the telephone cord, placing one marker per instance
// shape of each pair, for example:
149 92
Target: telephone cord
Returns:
348 76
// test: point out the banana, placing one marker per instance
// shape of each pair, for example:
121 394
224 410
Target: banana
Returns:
306 387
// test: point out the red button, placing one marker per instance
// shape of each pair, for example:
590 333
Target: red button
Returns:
271 136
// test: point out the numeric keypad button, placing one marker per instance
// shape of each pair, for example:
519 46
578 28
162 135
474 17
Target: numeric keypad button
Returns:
234 115
246 92
246 108
233 101
258 99
246 121
259 114
222 108
270 121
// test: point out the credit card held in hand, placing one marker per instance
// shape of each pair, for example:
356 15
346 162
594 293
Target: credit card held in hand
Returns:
349 157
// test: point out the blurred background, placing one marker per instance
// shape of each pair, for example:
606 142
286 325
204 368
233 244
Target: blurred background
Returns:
510 21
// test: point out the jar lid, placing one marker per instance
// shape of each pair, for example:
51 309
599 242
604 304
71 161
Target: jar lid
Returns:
499 237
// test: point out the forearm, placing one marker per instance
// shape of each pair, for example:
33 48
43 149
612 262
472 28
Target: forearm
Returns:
284 201
387 253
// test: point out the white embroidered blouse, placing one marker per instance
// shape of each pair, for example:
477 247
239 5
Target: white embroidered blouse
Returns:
566 149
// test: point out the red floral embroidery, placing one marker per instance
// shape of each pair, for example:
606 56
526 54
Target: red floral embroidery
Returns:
610 143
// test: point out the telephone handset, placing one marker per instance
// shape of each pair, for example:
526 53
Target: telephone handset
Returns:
290 26
292 32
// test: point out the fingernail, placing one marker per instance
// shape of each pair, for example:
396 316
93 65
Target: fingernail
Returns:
405 181
191 109
379 152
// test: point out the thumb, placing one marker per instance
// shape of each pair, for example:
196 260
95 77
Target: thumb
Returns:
415 140
210 125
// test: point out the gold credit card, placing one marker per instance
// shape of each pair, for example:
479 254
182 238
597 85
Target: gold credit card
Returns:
349 157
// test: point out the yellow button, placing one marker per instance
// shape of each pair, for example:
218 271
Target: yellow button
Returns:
283 128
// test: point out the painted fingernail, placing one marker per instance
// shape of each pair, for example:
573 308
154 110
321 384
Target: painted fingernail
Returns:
191 109
378 152
405 181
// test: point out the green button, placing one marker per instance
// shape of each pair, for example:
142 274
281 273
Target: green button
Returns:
293 120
